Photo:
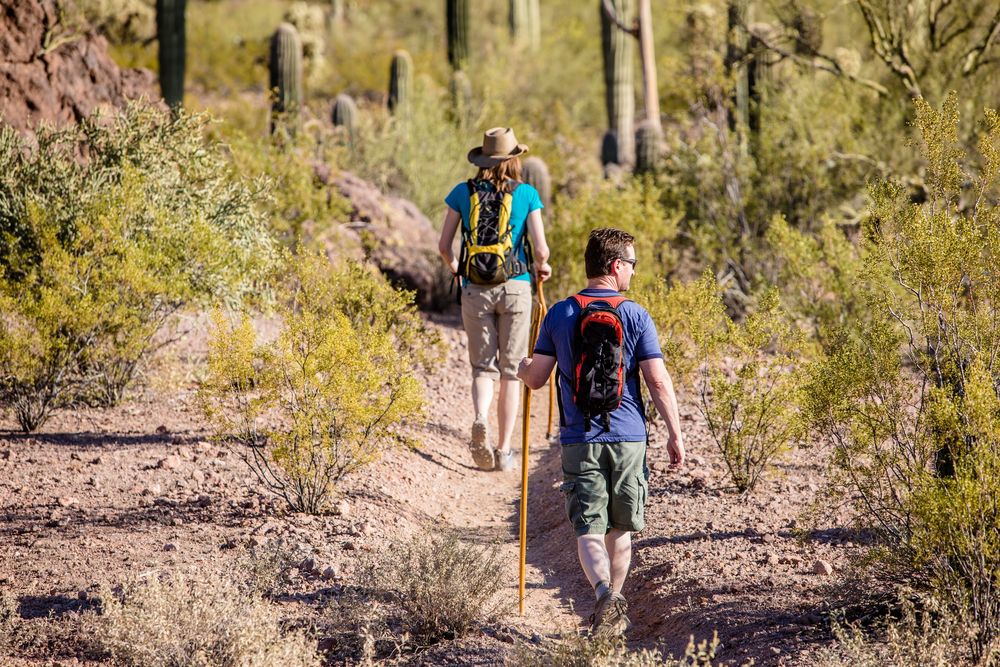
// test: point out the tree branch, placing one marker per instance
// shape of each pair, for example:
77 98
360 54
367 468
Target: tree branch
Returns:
832 67
888 50
973 55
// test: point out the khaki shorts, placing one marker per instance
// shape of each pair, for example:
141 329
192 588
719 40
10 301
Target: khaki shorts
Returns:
606 485
497 319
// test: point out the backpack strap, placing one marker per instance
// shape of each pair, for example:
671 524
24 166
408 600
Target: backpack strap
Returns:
613 301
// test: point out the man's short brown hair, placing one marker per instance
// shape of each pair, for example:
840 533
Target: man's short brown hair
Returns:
604 247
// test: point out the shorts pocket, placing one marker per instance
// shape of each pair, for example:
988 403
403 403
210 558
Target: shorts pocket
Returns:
517 296
573 507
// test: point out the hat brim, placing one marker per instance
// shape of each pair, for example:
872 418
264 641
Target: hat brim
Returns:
477 158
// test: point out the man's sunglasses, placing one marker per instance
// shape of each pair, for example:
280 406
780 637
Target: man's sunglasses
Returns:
630 261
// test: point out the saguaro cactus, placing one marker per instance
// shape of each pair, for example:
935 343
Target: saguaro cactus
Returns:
461 95
457 14
400 82
171 38
609 148
524 23
648 140
345 112
619 78
535 173
286 70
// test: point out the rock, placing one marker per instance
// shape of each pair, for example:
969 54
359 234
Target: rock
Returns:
169 547
710 526
198 476
82 595
66 83
773 560
330 573
161 430
738 588
172 462
700 473
176 522
327 644
775 650
407 242
822 568
660 466
74 456
308 565
767 538
350 546
184 452
367 528
177 440
204 446
342 508
696 461
204 500
67 501
97 461
699 535
505 637
151 490
165 502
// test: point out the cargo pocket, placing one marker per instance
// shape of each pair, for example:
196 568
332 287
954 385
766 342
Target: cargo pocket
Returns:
517 296
573 509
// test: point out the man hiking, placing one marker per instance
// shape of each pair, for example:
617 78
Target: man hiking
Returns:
599 341
496 213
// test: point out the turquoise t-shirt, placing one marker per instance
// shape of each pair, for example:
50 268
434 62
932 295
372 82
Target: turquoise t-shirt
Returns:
524 200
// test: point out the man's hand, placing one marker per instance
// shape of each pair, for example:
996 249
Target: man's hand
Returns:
522 368
676 448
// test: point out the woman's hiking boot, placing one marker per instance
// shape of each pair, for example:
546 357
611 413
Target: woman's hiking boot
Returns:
505 462
482 452
609 618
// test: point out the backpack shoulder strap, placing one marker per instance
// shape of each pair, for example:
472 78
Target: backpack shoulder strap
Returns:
613 301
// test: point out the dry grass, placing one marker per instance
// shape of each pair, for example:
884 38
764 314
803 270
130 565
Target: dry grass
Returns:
186 622
575 650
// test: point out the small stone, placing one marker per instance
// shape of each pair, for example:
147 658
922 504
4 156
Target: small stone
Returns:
505 637
169 547
342 508
177 440
176 522
81 595
699 535
172 462
198 476
97 461
773 560
710 526
695 461
93 481
330 573
204 501
367 528
151 490
701 473
204 446
350 546
183 452
161 430
738 588
767 539
775 650
67 501
307 565
75 456
661 466
327 644
822 568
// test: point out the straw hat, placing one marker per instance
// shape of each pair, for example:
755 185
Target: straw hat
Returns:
499 144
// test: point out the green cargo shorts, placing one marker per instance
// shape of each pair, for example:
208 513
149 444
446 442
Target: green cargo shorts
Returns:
606 484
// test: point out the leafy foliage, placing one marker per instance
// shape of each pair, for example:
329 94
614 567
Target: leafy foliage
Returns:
746 377
912 404
107 229
326 396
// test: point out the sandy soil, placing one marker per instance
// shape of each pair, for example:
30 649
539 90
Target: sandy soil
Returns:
102 496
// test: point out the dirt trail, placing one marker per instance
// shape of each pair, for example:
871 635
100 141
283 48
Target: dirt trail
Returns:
101 496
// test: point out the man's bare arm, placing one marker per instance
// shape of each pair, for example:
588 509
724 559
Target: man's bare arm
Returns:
661 388
534 372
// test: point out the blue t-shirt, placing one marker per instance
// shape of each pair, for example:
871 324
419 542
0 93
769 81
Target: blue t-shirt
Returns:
555 339
524 200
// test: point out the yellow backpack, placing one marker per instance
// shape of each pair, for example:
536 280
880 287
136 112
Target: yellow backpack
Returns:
489 256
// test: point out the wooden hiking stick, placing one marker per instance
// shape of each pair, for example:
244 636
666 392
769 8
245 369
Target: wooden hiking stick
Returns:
537 312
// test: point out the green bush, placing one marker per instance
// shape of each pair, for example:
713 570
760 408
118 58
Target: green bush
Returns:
910 399
746 377
328 394
185 622
634 208
107 229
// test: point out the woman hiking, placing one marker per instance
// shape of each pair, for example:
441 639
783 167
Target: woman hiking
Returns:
496 212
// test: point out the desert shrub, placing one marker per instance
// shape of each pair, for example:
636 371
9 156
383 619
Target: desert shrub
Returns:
121 21
916 639
265 568
107 229
441 585
327 395
185 622
575 650
9 620
634 207
746 377
910 401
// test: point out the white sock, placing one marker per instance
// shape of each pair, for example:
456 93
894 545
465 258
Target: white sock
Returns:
601 588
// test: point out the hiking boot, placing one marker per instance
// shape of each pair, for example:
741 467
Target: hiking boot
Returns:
505 462
482 452
609 619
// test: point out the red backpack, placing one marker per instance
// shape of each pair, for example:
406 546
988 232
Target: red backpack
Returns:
598 371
